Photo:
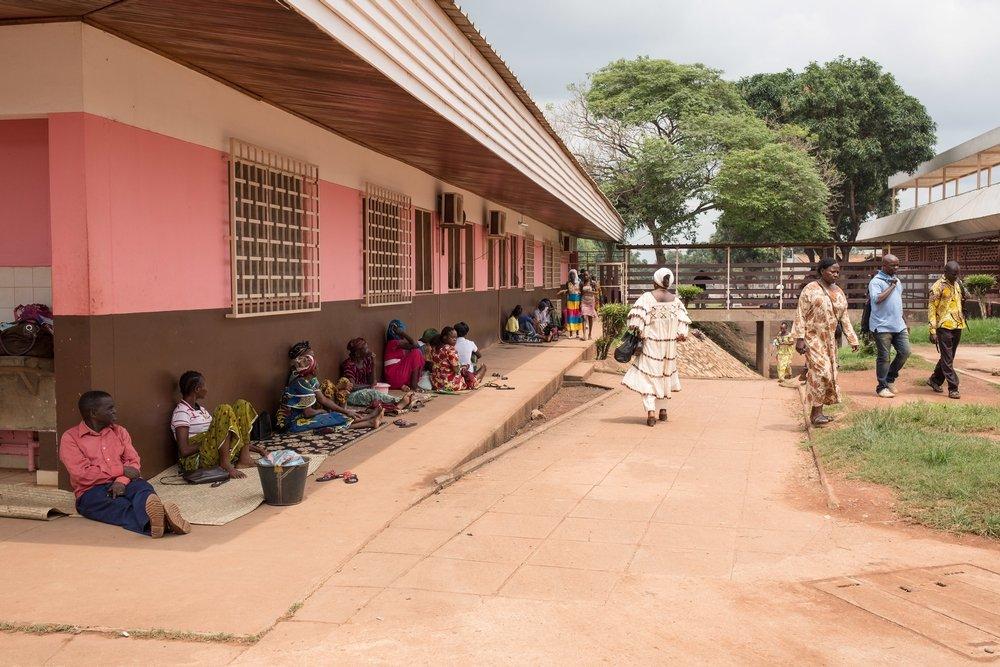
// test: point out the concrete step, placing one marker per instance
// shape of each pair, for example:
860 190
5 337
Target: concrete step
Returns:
578 373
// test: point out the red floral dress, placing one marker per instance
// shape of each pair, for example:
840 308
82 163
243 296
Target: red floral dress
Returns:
444 361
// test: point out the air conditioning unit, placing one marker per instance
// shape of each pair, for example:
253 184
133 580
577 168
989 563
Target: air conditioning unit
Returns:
451 209
564 244
497 224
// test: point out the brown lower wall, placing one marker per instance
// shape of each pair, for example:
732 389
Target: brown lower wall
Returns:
138 357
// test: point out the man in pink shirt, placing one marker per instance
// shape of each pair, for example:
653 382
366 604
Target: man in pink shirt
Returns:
104 471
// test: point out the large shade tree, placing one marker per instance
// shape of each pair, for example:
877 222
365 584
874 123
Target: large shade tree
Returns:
656 134
861 121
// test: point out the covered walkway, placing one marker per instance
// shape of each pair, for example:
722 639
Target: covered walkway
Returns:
81 573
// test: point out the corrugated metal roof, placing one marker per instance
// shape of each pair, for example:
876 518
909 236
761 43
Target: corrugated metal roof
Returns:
476 38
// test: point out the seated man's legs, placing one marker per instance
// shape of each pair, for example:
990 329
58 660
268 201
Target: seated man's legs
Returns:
127 510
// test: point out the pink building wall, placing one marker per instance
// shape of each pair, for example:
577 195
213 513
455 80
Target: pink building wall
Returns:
24 191
139 223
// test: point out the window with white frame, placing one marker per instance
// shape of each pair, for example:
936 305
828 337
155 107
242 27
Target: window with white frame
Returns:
529 262
388 247
274 232
424 245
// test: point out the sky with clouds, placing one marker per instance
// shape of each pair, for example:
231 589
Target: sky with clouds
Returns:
944 53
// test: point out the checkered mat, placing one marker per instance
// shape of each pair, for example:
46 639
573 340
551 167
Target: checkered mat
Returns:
312 442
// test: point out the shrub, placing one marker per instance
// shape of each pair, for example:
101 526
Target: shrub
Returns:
614 317
689 292
979 285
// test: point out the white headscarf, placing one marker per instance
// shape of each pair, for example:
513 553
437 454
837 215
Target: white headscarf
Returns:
574 277
663 278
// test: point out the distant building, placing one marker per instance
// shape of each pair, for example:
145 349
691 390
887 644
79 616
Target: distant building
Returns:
953 196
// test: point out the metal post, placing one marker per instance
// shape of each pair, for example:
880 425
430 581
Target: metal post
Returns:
944 182
677 267
979 170
728 274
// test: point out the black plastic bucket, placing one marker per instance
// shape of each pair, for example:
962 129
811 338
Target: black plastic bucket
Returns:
283 485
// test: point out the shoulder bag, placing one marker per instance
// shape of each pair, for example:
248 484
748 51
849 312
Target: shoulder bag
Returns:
631 344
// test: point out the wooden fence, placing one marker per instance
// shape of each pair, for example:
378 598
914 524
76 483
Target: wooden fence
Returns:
776 284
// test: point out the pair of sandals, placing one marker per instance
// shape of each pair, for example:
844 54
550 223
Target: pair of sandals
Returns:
348 477
651 421
498 386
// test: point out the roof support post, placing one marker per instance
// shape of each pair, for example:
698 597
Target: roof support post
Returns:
781 278
893 210
729 275
979 170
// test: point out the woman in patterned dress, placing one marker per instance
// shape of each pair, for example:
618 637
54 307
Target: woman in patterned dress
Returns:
660 320
572 290
202 437
822 305
446 373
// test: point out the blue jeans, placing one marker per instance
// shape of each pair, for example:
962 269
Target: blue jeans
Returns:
886 372
127 510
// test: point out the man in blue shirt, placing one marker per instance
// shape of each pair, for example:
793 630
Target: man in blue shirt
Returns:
888 325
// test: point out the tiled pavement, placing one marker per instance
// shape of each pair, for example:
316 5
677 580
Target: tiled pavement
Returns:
603 537
603 540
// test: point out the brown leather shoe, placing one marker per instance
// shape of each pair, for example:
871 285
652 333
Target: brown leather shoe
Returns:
663 415
177 523
156 513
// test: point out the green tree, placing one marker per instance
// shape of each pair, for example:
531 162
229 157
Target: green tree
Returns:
771 194
862 122
654 133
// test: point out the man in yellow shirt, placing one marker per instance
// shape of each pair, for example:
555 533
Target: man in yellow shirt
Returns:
946 321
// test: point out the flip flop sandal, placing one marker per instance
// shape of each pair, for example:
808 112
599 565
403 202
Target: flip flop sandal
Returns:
350 477
329 477
505 387
402 423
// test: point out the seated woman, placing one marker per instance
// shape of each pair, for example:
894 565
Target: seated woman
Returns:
305 407
446 372
202 437
544 320
357 382
404 362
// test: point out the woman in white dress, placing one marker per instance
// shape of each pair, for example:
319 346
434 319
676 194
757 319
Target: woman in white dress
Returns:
660 320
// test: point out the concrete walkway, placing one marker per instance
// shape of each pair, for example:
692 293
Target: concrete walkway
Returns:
602 540
978 361
77 572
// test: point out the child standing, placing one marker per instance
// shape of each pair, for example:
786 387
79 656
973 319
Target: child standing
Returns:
784 346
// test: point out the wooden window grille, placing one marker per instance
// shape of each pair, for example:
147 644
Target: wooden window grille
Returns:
470 257
273 232
455 257
529 262
503 246
388 249
514 264
424 245
491 253
550 268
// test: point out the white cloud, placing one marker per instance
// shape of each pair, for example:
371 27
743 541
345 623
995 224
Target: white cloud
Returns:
943 53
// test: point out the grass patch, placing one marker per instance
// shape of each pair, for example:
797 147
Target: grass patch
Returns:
983 331
863 361
938 457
